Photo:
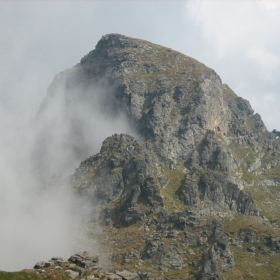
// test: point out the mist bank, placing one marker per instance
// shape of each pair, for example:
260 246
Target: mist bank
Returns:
40 217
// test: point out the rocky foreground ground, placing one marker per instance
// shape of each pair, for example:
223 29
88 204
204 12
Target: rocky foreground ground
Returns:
82 265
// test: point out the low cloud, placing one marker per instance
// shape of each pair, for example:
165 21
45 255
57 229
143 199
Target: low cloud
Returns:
40 219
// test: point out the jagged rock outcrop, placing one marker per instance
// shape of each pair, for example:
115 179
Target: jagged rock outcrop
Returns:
219 254
84 259
125 175
199 152
127 180
273 242
211 184
82 265
172 100
214 192
180 109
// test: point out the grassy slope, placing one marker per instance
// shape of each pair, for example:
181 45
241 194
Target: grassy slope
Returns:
252 265
22 275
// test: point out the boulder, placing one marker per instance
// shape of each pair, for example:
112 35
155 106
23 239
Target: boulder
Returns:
128 275
273 242
84 259
113 276
72 274
42 264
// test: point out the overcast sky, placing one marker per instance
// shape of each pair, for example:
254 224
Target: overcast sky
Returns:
239 39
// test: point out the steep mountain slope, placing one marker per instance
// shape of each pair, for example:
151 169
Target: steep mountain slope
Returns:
201 159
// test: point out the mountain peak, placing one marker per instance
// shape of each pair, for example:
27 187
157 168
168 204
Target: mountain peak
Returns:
201 154
114 39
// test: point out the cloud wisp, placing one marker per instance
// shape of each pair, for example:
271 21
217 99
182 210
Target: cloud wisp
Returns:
40 222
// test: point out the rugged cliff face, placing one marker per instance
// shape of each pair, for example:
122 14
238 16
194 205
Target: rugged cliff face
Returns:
201 159
123 175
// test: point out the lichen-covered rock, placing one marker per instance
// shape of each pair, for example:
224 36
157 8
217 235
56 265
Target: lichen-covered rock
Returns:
153 248
84 264
273 242
84 259
126 175
40 265
218 256
215 192
171 259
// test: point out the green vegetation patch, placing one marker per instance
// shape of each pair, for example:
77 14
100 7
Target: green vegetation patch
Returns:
266 201
21 275
252 265
256 266
251 123
31 275
171 201
258 225
229 93
243 151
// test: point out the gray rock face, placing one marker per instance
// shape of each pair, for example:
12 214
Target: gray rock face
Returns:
211 153
273 242
124 172
181 110
219 255
153 247
172 259
168 95
172 100
42 264
128 177
160 256
84 259
83 265
214 191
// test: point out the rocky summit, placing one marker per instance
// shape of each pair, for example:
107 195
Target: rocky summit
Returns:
194 194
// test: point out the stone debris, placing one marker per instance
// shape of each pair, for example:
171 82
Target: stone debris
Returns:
84 264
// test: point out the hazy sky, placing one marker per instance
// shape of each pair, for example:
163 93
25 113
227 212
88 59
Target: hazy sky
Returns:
239 39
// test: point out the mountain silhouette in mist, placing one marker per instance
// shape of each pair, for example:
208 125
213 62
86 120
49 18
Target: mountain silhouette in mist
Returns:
187 187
